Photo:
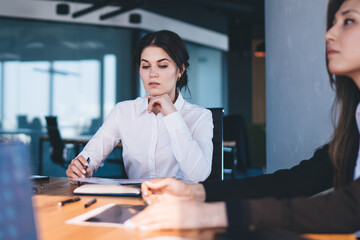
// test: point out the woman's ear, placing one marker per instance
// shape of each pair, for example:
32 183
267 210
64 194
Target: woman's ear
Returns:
182 70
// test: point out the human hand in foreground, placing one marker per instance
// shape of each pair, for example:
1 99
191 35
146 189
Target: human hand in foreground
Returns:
177 214
161 189
161 103
78 168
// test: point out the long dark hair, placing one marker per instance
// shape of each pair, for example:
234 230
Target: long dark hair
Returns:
173 45
345 139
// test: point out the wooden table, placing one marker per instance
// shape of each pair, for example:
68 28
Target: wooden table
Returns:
51 218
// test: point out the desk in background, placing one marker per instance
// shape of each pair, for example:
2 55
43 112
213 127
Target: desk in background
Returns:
77 141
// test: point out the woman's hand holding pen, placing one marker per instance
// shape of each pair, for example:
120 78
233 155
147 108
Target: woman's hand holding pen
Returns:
78 168
161 103
161 189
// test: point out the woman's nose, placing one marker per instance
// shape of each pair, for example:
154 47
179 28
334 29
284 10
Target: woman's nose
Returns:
153 73
330 34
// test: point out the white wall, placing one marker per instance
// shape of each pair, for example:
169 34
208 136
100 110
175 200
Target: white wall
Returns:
298 94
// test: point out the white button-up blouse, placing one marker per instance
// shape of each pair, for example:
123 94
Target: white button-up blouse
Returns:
177 145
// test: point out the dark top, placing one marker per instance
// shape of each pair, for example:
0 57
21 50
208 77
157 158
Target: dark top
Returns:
281 199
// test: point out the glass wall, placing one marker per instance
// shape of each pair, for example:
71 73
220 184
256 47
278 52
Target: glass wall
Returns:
38 88
59 69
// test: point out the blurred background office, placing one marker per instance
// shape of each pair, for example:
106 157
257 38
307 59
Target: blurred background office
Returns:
73 60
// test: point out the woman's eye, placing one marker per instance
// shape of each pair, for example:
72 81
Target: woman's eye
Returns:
145 67
163 66
348 21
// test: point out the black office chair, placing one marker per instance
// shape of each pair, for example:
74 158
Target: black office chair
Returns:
58 153
22 121
217 168
36 129
235 129
257 139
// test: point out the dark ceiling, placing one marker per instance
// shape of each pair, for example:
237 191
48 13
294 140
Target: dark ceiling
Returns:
220 15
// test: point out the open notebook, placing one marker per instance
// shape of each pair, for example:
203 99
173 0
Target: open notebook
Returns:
16 210
104 189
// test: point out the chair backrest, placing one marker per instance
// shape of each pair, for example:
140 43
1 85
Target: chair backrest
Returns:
95 125
217 169
22 121
56 141
235 129
257 139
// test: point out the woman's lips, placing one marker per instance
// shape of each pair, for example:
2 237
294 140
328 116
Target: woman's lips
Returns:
331 51
154 84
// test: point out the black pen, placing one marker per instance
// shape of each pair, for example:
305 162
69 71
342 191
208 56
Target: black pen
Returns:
88 160
91 202
84 167
71 200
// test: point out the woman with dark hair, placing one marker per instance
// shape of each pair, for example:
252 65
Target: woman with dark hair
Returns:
162 134
282 199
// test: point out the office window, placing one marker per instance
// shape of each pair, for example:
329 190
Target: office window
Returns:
1 93
67 70
25 91
76 93
109 82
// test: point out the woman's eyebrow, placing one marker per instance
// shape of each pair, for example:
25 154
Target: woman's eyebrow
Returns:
160 60
349 11
163 59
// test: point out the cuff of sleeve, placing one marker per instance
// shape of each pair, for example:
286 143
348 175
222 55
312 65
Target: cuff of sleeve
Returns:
237 212
210 190
174 121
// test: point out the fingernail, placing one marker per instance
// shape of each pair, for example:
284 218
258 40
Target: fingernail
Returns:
142 228
148 202
145 194
83 171
129 224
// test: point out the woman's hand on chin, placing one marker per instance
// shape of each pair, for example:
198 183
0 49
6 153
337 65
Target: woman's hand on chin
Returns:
160 103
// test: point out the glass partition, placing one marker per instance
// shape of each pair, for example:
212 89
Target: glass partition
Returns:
66 70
